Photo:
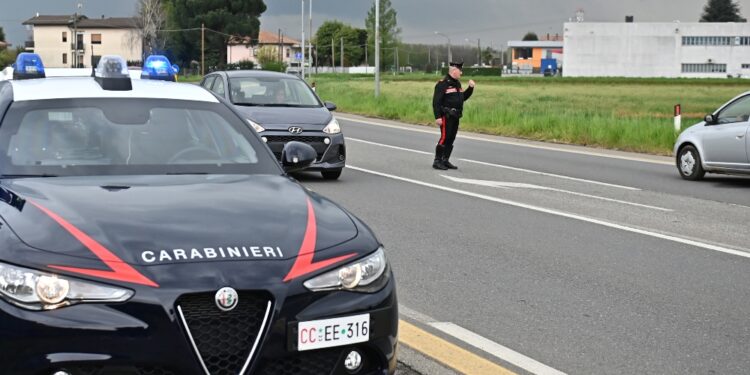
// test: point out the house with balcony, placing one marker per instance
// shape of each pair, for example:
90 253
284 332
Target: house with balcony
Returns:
69 41
248 49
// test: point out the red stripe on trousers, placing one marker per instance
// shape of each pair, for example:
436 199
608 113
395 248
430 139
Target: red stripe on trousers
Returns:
442 132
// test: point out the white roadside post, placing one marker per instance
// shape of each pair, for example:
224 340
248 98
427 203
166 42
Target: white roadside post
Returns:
677 118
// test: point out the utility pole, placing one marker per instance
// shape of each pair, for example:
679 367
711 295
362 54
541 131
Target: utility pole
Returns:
367 62
309 45
302 62
281 45
342 54
203 49
333 57
479 53
377 48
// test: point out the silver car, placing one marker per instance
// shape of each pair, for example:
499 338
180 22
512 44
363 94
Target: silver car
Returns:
718 144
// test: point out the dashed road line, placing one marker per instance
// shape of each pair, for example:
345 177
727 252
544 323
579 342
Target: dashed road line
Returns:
741 253
514 143
531 171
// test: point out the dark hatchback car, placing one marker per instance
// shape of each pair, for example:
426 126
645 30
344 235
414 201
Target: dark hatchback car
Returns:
282 108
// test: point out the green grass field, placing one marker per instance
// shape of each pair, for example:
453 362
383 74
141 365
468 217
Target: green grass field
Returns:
614 113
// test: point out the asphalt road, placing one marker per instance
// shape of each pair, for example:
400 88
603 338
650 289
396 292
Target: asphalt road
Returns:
589 263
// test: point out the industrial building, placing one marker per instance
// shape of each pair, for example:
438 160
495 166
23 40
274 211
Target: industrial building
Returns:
536 56
668 49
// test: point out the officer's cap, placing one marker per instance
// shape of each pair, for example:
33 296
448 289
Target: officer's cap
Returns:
459 65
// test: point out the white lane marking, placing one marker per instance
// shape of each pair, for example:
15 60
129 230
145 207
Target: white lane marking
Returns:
512 143
491 347
484 344
499 165
704 245
510 185
551 175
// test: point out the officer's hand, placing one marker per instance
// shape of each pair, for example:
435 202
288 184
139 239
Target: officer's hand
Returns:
472 83
439 121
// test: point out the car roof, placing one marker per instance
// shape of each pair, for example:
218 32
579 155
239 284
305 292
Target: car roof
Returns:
87 87
255 73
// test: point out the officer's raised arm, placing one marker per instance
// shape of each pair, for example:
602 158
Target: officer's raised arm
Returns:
470 90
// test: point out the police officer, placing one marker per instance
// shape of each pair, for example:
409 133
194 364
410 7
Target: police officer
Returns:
448 105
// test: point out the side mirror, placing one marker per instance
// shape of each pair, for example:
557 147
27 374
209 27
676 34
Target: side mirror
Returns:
297 156
175 68
330 106
709 119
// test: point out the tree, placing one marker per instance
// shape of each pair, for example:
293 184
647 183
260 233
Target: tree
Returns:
222 17
530 36
151 16
2 34
333 31
722 11
389 32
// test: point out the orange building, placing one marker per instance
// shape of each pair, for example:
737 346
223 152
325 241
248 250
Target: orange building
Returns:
527 56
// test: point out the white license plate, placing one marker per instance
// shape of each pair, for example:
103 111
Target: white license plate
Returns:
326 333
161 71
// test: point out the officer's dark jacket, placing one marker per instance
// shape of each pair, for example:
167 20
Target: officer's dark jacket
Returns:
448 93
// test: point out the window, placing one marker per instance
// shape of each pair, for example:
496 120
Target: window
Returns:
64 36
65 58
704 68
270 91
208 82
96 38
218 86
707 40
738 111
745 66
287 52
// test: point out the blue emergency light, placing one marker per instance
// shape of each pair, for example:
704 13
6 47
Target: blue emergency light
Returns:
27 66
158 67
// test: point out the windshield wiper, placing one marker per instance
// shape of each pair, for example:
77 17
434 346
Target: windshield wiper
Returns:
250 104
182 173
27 175
282 105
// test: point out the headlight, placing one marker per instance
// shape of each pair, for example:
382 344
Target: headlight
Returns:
367 274
36 290
256 126
332 127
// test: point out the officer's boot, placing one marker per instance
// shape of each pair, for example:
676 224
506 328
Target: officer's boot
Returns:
438 163
446 156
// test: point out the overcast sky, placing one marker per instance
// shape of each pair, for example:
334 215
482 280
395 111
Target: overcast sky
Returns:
493 21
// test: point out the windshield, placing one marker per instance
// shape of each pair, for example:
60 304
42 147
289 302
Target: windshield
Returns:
128 136
272 91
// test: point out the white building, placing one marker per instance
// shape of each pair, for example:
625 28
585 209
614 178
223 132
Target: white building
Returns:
672 49
247 49
96 37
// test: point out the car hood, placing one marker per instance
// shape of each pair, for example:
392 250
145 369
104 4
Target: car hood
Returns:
283 117
153 220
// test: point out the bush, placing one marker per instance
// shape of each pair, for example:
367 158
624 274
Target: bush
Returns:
478 71
275 66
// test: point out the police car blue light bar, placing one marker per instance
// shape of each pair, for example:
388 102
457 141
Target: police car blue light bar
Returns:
158 67
28 66
112 73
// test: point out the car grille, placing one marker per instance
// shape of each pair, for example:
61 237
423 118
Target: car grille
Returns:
277 142
317 362
113 370
224 338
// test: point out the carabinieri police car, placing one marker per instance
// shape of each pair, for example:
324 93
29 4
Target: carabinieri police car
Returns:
146 229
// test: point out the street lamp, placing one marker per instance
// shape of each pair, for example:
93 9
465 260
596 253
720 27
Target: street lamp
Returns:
450 56
479 51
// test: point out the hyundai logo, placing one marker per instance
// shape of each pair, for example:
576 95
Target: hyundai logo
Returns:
295 129
226 299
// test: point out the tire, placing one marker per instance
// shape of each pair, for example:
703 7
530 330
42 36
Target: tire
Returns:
689 164
331 175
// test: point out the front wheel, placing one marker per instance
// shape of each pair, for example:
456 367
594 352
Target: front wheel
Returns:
689 164
331 175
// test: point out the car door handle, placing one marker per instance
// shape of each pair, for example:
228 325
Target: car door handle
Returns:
740 136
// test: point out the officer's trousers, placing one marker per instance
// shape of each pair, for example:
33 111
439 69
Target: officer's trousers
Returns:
448 132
